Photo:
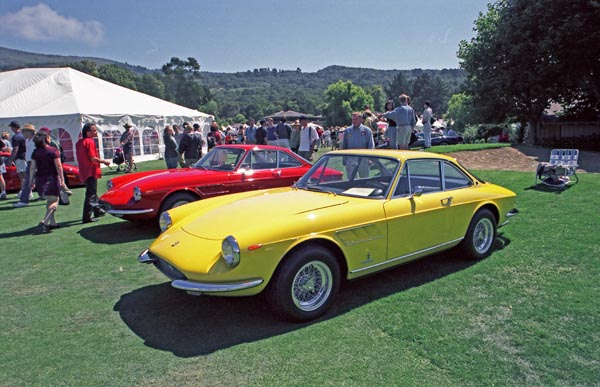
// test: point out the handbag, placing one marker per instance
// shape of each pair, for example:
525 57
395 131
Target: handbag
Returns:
63 197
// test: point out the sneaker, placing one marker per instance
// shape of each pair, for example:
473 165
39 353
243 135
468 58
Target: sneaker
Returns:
20 204
3 196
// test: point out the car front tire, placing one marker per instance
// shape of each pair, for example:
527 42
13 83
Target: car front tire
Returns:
480 236
305 284
176 200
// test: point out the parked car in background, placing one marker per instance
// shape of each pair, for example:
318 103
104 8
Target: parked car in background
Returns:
13 183
225 169
436 139
354 213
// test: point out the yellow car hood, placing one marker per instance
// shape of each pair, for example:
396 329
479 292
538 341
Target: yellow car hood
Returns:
253 212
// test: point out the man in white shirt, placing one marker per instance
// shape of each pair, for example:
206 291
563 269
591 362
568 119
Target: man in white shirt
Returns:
308 139
427 115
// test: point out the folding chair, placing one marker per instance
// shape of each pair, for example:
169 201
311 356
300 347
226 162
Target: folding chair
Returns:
555 173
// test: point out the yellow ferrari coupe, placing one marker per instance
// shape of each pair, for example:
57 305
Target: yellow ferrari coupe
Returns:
354 213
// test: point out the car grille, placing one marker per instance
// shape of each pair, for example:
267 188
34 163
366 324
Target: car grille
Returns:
168 269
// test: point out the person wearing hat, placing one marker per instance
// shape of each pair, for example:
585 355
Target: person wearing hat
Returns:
25 195
127 145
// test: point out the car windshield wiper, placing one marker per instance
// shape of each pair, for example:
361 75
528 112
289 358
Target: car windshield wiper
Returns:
316 188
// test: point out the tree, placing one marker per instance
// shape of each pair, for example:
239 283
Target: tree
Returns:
343 98
434 90
526 54
378 95
459 111
117 75
183 83
399 85
150 85
210 107
86 66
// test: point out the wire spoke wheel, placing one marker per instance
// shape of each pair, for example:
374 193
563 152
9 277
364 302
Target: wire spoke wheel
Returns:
483 235
305 283
480 235
312 285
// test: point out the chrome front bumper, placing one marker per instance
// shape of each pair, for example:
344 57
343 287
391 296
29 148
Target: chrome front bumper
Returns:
198 288
510 214
119 213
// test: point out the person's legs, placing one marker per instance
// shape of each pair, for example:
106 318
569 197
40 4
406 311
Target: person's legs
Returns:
2 182
403 136
427 136
172 162
25 194
392 133
51 206
90 192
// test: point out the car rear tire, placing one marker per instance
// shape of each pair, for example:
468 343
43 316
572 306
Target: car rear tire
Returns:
176 200
444 143
305 284
480 236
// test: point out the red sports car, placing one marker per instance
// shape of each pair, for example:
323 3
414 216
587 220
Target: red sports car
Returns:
13 183
225 169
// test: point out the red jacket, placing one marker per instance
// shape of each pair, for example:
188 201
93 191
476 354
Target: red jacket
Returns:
85 149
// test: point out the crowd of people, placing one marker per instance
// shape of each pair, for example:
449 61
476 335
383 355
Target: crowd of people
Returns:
38 158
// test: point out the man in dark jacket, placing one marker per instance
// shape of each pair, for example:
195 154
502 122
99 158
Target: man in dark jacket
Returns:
189 145
284 131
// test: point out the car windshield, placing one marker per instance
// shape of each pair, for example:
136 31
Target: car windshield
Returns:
356 175
221 159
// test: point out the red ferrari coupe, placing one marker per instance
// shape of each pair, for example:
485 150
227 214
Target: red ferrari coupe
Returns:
13 183
225 169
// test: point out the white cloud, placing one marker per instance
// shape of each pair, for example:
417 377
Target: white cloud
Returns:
42 23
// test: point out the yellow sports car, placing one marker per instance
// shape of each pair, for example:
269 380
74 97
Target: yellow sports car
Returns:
355 212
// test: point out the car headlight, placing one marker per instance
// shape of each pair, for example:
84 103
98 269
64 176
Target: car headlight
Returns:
230 250
109 185
137 194
164 221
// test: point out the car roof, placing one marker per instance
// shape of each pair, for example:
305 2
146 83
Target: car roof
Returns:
251 146
396 154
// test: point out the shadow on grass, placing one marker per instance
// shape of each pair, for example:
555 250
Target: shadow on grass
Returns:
544 188
170 320
119 232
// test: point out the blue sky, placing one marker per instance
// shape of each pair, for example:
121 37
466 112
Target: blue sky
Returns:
237 35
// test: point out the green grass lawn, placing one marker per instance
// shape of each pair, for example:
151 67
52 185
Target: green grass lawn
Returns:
78 310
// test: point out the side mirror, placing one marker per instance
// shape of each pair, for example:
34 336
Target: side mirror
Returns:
417 192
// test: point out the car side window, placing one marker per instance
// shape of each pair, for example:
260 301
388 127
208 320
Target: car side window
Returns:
287 161
261 159
424 175
454 178
403 188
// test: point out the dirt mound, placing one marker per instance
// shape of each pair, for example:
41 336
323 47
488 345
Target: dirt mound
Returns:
520 158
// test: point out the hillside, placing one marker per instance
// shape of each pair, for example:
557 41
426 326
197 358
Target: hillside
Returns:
258 92
15 59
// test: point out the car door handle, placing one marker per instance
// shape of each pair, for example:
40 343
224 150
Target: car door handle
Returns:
277 173
447 201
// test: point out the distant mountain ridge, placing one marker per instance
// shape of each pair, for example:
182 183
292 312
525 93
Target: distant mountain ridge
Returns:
11 59
258 92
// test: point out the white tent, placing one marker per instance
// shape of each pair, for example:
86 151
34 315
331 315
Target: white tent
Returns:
64 99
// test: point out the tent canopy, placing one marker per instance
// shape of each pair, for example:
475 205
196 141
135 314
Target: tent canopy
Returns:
63 99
